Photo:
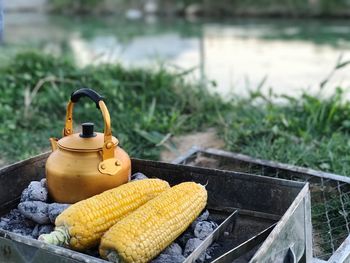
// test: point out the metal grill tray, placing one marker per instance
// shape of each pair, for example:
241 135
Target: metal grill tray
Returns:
258 202
238 237
330 196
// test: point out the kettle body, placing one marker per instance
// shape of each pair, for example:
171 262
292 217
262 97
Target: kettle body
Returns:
73 177
85 164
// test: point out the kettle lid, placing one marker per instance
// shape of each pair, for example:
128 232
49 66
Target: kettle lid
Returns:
86 141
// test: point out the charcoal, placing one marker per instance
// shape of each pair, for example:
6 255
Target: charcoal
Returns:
191 245
3 223
203 217
17 223
22 231
35 210
43 183
41 229
173 249
182 240
93 252
138 176
55 209
166 258
35 232
34 192
204 229
210 250
12 216
45 229
25 195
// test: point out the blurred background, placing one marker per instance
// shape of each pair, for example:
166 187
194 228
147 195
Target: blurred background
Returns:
287 45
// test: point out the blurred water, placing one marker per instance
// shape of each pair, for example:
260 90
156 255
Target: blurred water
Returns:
1 20
290 55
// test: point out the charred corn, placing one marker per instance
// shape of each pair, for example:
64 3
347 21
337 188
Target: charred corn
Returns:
143 234
82 225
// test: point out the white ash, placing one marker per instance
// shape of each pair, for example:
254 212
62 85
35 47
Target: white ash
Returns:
188 234
45 229
55 209
34 215
36 211
25 195
172 253
173 249
204 229
35 232
17 223
203 217
182 240
22 231
43 183
138 176
166 258
190 240
210 250
191 245
41 229
36 191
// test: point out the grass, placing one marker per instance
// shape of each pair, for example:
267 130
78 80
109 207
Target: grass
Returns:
307 131
145 105
221 8
149 105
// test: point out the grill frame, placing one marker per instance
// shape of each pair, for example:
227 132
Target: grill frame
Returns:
327 182
253 195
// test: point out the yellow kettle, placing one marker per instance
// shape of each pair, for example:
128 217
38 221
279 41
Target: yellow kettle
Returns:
87 163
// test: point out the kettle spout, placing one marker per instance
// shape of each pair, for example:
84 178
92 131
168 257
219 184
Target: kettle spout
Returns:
53 142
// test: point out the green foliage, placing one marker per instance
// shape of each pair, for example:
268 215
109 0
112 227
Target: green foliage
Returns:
145 105
308 131
210 8
72 7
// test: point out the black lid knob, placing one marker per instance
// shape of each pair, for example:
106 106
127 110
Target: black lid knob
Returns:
87 129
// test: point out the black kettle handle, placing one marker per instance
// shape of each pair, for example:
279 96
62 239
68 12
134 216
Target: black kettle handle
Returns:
85 92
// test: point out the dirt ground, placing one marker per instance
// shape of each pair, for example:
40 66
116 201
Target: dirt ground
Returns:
206 139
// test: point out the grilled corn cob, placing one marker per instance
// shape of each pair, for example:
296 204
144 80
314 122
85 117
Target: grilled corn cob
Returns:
143 234
82 225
